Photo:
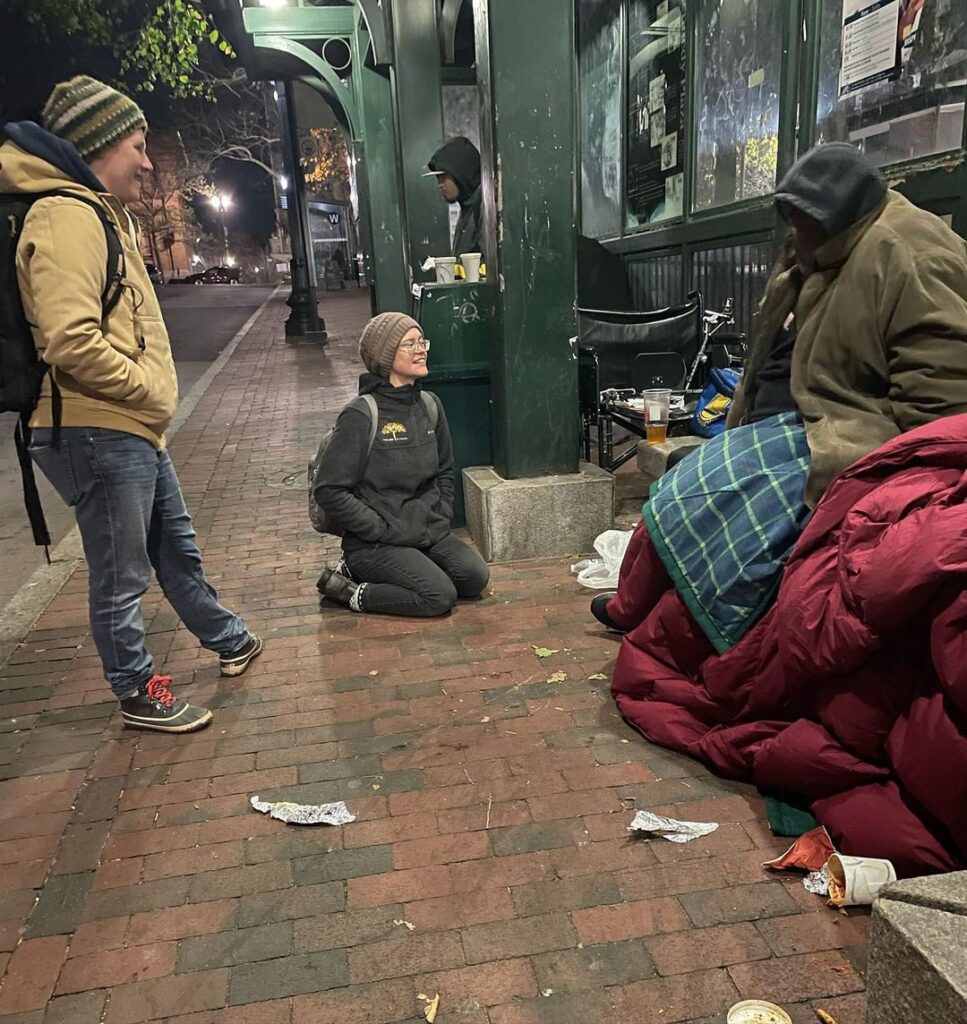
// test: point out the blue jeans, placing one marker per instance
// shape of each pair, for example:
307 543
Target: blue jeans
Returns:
132 518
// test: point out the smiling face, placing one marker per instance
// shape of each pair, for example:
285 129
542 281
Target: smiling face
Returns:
410 362
122 167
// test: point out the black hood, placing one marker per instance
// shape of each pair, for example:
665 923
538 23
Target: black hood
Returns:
37 141
459 158
833 184
371 382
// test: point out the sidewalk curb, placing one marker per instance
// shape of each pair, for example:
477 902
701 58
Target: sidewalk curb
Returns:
29 602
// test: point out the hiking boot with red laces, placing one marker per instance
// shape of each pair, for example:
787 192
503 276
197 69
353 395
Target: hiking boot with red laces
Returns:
158 708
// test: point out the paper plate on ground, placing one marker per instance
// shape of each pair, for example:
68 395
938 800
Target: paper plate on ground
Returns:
757 1011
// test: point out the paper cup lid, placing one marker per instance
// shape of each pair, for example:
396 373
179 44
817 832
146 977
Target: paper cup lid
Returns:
757 1011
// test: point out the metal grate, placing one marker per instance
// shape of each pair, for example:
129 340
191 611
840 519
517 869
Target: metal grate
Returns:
739 271
656 282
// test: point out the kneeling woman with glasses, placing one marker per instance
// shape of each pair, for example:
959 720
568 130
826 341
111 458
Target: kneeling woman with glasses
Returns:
388 486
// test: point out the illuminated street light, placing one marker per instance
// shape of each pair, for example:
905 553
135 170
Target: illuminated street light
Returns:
222 202
230 260
283 181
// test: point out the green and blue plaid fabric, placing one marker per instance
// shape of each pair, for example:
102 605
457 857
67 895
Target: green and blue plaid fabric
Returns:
726 518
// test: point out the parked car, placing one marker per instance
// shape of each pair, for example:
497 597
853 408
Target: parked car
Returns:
213 275
216 275
154 273
229 275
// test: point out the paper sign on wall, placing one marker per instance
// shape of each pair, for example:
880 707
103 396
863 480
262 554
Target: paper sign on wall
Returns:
869 43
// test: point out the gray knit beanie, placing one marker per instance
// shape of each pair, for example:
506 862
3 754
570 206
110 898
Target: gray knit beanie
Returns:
381 338
91 115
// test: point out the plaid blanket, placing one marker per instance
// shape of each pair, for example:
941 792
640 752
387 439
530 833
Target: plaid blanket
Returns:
726 518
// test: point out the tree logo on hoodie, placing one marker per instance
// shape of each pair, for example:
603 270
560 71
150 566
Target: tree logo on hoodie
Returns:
393 432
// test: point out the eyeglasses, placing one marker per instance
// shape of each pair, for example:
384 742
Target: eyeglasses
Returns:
421 344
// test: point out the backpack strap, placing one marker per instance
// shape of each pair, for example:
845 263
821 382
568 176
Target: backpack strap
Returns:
432 405
32 503
370 404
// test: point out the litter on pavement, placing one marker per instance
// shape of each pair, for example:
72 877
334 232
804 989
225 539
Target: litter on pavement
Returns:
305 814
669 828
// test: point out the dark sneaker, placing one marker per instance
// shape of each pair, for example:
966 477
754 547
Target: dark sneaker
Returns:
599 609
235 664
338 588
157 708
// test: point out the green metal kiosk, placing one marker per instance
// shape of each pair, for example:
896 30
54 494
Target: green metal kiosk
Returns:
459 320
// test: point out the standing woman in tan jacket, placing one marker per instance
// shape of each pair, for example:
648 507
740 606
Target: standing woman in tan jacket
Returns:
114 380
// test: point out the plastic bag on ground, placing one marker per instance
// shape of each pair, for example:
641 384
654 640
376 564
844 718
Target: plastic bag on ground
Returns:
602 573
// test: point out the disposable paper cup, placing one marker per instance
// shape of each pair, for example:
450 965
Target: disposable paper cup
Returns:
861 878
471 264
444 268
656 414
757 1011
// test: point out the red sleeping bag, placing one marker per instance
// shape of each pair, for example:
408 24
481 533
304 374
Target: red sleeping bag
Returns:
852 690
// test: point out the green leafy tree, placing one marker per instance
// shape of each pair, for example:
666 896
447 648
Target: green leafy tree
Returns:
146 44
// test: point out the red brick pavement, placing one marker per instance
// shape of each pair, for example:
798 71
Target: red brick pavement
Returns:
137 885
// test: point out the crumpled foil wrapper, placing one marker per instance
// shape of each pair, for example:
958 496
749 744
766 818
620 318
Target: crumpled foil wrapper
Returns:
305 814
670 828
817 882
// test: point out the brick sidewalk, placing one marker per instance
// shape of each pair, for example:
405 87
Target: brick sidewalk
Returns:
137 884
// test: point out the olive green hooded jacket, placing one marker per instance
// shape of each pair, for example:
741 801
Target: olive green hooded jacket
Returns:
881 320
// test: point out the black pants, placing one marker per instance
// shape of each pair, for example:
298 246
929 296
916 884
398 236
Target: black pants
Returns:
417 581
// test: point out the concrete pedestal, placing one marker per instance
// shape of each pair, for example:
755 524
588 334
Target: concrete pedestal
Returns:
918 967
653 458
537 517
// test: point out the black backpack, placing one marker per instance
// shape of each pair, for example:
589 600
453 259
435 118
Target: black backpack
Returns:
21 370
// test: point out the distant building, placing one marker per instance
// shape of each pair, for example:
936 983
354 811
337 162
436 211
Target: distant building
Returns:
167 226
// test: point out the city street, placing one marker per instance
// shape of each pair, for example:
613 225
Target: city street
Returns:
201 321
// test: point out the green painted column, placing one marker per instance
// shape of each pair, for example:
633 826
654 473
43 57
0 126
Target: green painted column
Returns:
418 98
380 194
525 67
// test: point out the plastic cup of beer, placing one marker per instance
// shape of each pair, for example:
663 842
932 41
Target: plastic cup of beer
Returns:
656 414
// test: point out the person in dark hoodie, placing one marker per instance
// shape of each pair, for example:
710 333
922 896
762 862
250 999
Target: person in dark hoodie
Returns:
117 390
391 493
861 335
456 165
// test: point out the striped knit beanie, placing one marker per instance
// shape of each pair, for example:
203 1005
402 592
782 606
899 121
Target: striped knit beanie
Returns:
381 338
91 115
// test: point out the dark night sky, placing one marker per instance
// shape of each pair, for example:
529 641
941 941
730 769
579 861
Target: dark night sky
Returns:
29 68
252 210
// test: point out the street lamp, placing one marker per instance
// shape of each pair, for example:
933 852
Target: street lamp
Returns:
283 181
222 202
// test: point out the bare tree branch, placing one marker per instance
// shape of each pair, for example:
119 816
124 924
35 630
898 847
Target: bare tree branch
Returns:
240 127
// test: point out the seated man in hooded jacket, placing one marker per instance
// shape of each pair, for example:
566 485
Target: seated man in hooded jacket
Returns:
456 165
861 335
